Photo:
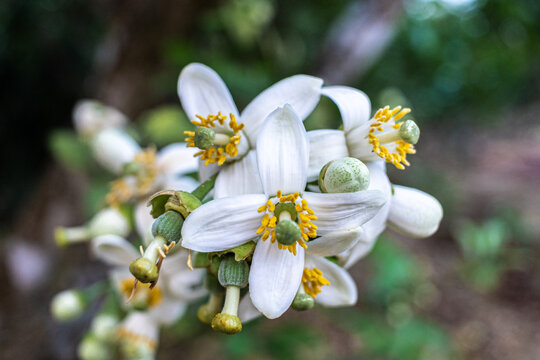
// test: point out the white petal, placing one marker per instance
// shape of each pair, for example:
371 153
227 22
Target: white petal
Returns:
141 324
143 221
414 212
345 210
113 148
113 250
179 280
177 159
374 227
334 242
274 278
239 178
202 92
353 105
168 311
246 310
206 171
302 92
283 152
223 223
91 116
342 289
324 146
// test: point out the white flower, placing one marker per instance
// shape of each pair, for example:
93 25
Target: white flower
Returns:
177 285
277 268
337 288
68 305
107 221
402 209
204 95
91 116
113 148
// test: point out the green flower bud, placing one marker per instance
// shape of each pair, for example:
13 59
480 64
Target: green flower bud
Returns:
68 305
233 273
227 323
204 137
104 326
168 226
92 348
287 232
144 270
344 175
303 302
409 132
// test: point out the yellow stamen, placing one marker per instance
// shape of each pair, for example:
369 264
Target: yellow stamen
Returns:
382 116
305 216
121 191
218 152
313 281
153 295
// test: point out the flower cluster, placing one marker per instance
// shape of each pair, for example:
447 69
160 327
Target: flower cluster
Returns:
279 215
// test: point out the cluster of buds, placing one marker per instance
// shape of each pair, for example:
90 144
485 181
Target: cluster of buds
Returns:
277 218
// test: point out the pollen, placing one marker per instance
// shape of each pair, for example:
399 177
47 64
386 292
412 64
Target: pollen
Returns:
313 280
392 117
216 153
153 296
305 217
122 190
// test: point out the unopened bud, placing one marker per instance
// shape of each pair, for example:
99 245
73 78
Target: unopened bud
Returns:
68 305
93 348
344 175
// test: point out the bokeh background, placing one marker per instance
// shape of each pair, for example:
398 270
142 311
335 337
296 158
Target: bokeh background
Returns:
469 69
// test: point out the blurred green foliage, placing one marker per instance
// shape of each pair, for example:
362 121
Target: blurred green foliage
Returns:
465 62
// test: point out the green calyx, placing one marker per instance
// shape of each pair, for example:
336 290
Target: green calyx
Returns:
227 323
179 201
144 270
409 132
288 207
169 226
344 175
303 302
204 137
287 232
233 273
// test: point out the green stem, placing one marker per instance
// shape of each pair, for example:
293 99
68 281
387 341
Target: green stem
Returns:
202 190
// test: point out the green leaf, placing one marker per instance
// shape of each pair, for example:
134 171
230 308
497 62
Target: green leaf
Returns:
68 150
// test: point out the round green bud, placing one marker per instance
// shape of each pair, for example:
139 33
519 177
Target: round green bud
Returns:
169 226
144 270
344 175
68 305
104 326
93 348
227 323
409 132
303 302
233 273
288 207
204 137
287 232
